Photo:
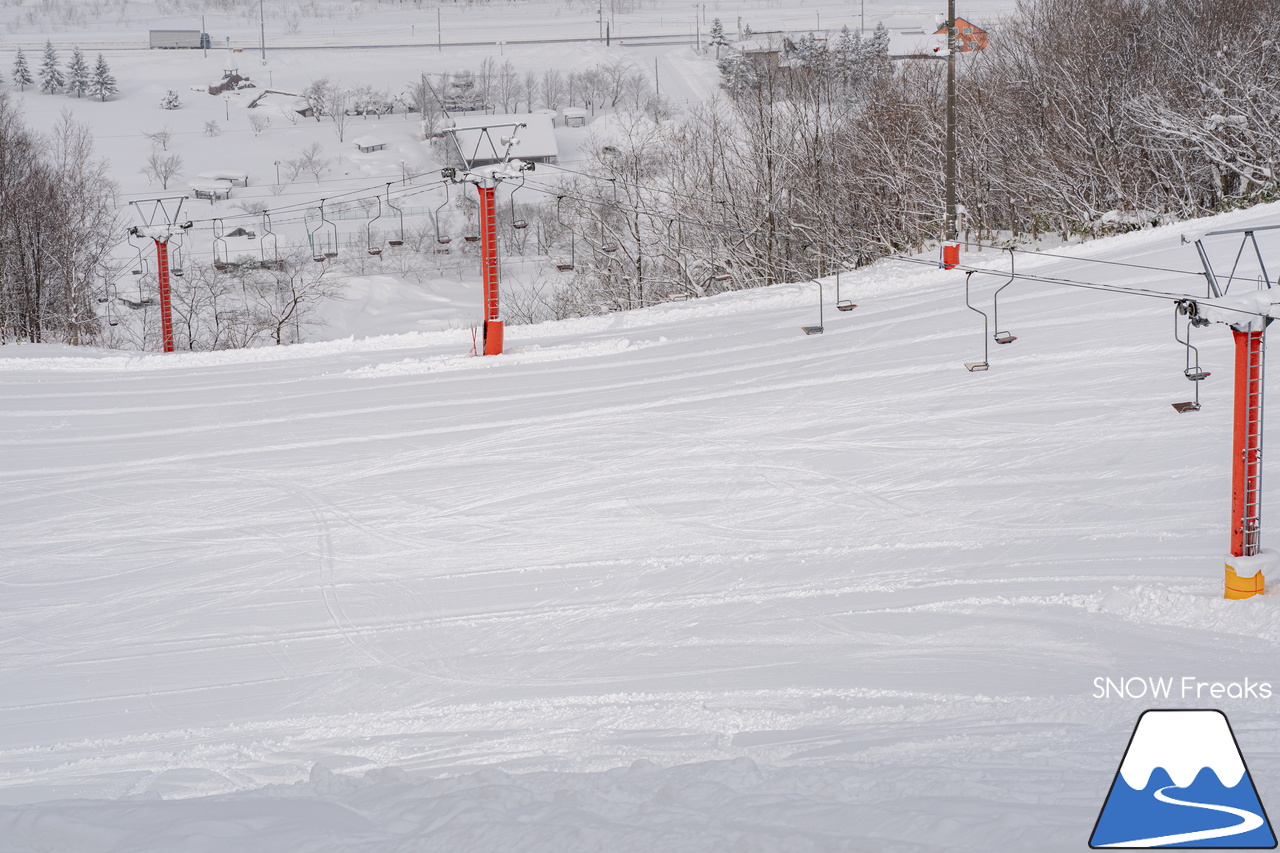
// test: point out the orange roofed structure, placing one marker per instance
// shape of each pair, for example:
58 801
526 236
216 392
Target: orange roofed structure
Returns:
968 36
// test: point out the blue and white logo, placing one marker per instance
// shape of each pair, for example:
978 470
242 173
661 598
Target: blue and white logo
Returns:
1183 783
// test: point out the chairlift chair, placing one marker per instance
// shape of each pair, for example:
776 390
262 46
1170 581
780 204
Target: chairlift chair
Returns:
442 240
220 259
818 329
573 240
516 222
1192 369
274 263
1002 336
398 241
842 304
976 366
373 250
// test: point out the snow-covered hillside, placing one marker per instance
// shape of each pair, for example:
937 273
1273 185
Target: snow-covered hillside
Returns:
677 579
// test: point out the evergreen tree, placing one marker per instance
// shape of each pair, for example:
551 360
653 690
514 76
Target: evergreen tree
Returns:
876 51
848 56
718 39
77 74
102 84
51 79
21 72
170 101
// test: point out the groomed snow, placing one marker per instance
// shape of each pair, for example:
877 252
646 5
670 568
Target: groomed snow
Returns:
675 579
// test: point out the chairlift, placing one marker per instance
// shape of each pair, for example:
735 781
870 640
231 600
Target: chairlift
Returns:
373 250
274 263
842 304
573 240
516 222
322 251
442 240
176 267
399 241
1192 369
606 245
976 366
818 329
220 261
1002 336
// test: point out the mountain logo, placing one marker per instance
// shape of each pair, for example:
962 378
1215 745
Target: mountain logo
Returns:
1183 783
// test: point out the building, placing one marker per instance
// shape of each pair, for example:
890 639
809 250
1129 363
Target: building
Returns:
968 36
369 144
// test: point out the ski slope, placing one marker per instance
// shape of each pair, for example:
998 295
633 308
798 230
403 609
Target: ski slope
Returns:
676 579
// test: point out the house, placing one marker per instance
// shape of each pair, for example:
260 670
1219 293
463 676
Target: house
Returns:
479 140
968 36
369 144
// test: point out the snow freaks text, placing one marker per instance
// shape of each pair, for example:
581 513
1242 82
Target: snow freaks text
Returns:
1186 687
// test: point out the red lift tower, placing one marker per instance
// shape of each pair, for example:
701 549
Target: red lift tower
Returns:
1248 314
487 188
486 180
161 233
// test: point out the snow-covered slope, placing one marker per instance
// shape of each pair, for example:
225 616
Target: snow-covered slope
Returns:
678 579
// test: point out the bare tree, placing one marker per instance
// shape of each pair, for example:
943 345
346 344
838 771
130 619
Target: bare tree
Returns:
337 105
162 168
161 137
259 122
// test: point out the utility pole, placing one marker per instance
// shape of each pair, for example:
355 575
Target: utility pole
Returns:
439 31
949 226
262 18
204 43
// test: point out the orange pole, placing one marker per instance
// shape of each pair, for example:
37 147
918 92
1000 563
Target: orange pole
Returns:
1246 461
489 270
166 313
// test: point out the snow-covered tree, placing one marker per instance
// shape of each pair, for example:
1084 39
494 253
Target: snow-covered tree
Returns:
77 74
170 101
103 84
51 79
848 55
21 72
718 39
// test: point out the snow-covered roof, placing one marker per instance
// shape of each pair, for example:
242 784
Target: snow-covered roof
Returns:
211 186
223 175
537 139
368 142
573 111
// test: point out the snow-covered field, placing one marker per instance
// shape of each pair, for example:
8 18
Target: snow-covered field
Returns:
680 579
677 579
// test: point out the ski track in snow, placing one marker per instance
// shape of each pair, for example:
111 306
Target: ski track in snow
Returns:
666 580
